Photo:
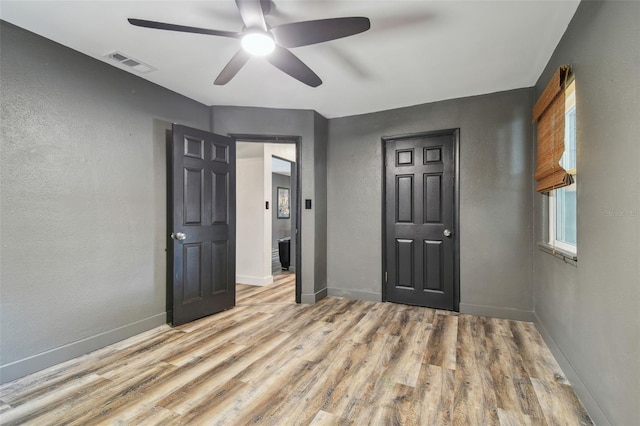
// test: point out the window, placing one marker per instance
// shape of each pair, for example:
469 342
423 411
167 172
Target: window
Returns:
562 201
555 175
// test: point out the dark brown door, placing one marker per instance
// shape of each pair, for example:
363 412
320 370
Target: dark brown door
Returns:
420 219
202 225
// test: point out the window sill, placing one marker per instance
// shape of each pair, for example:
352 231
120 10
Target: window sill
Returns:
569 258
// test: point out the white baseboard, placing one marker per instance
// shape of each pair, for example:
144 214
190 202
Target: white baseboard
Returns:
247 279
26 366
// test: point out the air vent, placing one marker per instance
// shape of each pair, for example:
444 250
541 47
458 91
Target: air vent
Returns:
128 61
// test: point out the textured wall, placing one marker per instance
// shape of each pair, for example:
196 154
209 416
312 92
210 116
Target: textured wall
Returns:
320 131
495 198
591 311
278 122
280 228
83 200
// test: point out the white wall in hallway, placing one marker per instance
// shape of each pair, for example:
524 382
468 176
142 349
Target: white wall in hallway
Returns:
253 221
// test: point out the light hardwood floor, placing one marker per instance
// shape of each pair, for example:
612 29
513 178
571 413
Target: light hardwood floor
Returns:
270 361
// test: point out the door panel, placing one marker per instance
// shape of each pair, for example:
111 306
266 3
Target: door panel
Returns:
420 173
219 265
404 259
203 202
404 199
432 198
192 204
433 264
220 189
193 262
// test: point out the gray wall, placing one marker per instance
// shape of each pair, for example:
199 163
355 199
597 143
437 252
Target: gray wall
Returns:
83 201
590 313
305 124
320 131
280 228
495 198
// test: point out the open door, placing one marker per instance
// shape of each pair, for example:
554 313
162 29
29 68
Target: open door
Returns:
202 224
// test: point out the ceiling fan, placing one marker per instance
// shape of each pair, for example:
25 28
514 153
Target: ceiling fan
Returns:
259 39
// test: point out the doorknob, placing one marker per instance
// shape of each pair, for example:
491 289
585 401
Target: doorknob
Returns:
447 232
178 236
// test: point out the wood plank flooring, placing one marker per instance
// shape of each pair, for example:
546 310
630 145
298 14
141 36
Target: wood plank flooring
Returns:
270 361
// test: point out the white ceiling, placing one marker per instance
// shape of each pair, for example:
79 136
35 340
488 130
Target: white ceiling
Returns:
246 150
280 167
417 51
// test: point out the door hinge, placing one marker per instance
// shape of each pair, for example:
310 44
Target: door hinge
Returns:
385 277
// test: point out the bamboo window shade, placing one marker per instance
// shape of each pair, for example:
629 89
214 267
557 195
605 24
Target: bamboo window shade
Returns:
549 113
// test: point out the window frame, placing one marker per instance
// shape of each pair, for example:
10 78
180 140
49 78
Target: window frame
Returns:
569 248
570 107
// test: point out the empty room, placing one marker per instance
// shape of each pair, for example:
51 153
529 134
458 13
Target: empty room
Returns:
289 212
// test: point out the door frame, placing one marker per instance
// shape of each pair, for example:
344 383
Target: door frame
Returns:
455 133
288 139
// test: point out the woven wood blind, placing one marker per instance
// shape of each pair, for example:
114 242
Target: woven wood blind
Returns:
549 112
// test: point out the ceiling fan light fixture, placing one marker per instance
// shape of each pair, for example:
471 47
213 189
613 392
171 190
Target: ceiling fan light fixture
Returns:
258 44
259 39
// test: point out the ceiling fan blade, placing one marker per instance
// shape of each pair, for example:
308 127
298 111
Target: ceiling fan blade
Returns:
266 6
289 63
181 28
252 14
311 32
232 68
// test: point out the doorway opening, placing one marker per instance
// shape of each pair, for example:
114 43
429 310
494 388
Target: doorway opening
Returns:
268 241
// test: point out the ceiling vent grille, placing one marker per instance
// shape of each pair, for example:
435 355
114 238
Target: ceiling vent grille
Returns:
128 61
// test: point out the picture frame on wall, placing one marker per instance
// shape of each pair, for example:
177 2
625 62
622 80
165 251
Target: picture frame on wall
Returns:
284 209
